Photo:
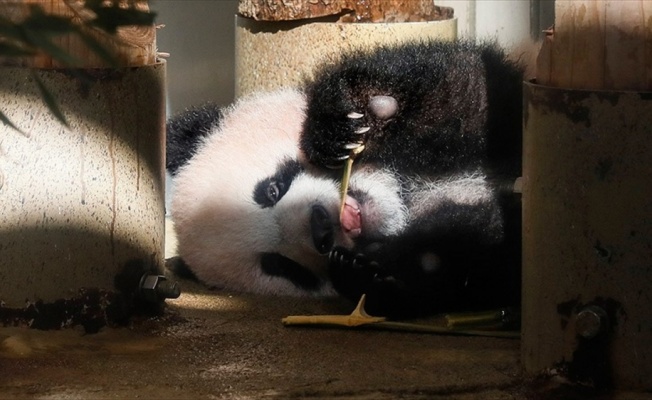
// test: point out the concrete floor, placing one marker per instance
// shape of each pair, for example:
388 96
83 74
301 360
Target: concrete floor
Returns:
219 345
216 345
211 344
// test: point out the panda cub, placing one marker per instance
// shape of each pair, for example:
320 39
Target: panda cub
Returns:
429 222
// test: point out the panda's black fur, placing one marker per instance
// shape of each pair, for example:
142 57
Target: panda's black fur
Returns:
459 108
431 223
185 133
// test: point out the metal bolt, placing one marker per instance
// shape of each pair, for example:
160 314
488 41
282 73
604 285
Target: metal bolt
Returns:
156 288
590 321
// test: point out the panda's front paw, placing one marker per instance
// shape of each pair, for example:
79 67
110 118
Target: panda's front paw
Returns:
352 273
338 133
347 137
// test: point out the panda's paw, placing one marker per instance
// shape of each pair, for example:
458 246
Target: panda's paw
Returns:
346 139
365 125
352 273
334 136
341 258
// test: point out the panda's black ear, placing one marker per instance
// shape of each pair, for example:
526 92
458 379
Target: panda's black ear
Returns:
186 130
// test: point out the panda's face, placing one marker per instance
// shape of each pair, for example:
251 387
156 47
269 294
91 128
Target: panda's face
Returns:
305 204
300 206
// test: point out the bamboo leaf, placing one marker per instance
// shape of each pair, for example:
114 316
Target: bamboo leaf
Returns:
10 124
49 100
98 49
13 50
110 19
49 24
9 30
41 41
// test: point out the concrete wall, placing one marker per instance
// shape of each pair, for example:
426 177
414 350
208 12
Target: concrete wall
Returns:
508 21
199 35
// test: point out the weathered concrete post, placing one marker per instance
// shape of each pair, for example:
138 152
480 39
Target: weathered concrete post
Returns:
587 198
81 205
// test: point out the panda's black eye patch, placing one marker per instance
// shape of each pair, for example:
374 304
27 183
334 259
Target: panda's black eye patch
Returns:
270 190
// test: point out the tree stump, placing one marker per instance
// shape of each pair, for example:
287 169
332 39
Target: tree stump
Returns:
598 44
345 10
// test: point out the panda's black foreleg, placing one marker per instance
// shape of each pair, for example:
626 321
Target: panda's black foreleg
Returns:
352 274
393 289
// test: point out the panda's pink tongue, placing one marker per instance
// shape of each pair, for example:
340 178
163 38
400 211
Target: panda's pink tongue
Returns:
350 218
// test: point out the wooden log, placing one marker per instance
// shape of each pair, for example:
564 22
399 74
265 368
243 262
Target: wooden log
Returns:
624 45
561 50
543 72
345 10
588 50
598 44
130 46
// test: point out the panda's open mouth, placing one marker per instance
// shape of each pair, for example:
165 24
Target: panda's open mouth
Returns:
351 217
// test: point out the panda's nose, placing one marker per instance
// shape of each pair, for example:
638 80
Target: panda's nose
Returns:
322 230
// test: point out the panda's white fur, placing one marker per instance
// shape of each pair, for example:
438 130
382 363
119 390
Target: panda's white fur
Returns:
221 231
383 213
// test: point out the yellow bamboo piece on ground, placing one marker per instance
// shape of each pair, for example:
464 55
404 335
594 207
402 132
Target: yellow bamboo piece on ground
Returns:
358 317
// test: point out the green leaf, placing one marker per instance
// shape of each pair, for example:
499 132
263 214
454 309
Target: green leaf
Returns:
98 49
13 50
49 100
48 24
41 41
8 122
111 18
9 29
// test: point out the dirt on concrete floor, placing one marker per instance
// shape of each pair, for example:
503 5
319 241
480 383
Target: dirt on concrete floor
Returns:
212 344
219 345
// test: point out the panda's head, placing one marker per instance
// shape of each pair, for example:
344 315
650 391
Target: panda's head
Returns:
251 214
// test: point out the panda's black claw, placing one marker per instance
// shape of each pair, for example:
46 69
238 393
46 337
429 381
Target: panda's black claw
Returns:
362 130
342 258
354 115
